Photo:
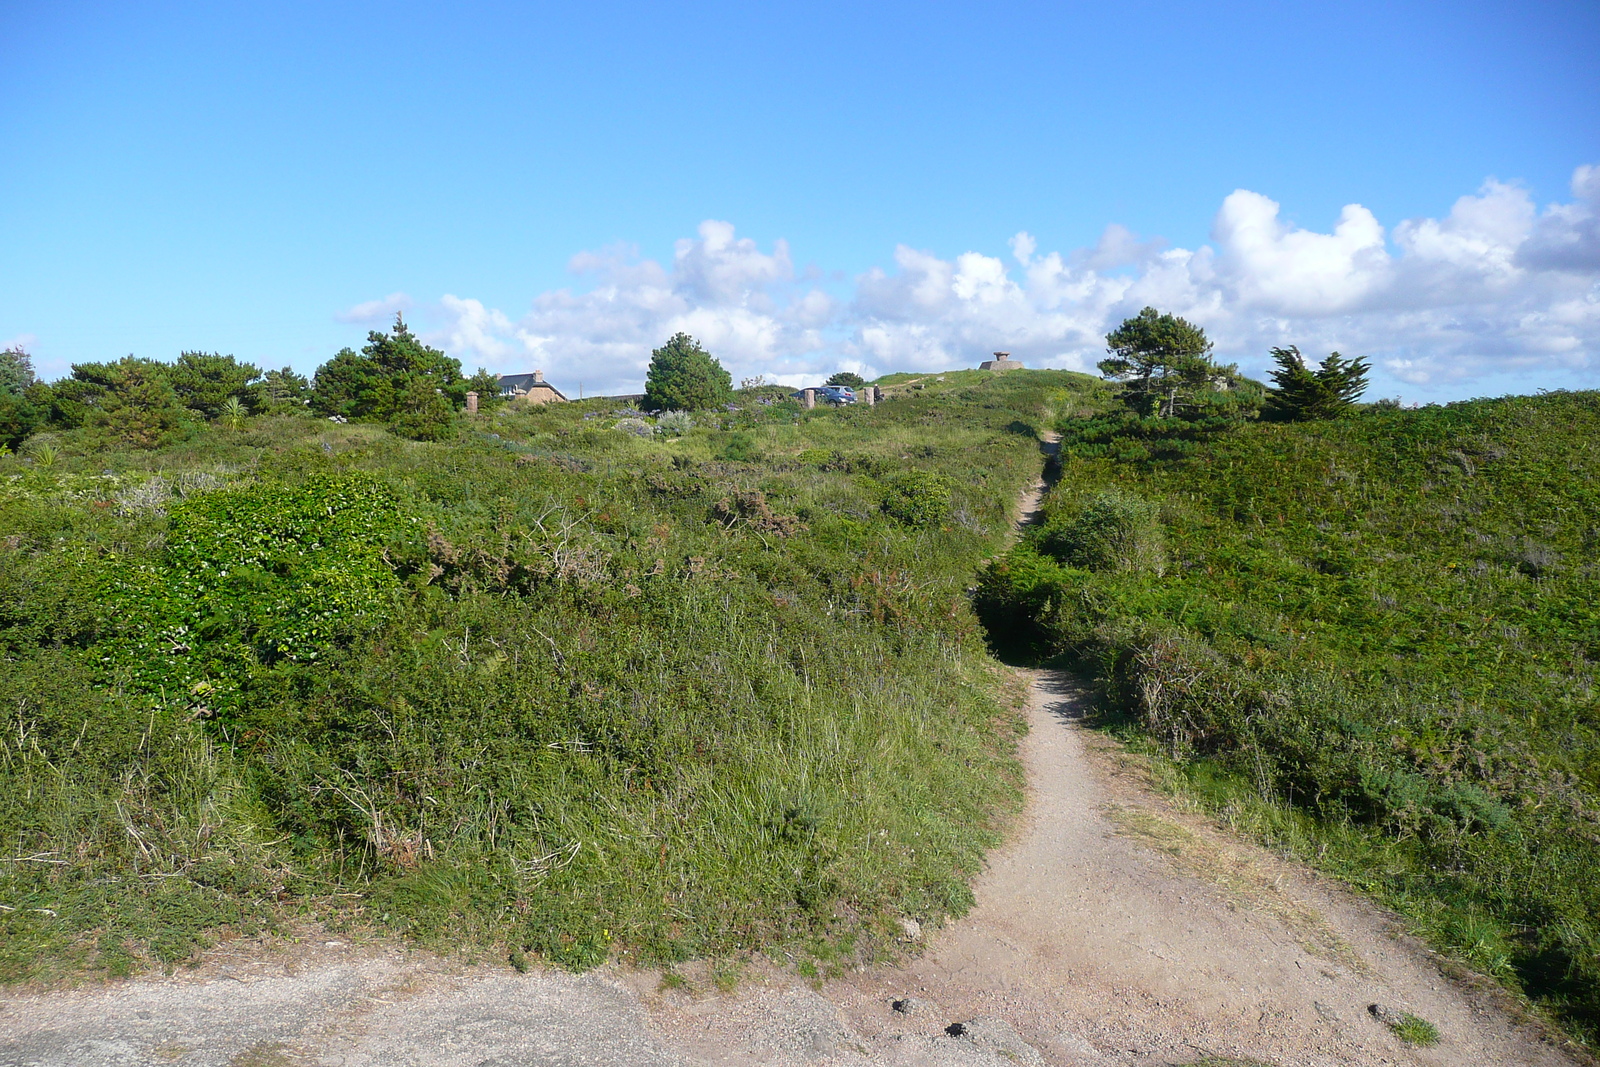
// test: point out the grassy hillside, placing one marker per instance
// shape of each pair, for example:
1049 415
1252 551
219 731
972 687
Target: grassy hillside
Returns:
1373 640
560 685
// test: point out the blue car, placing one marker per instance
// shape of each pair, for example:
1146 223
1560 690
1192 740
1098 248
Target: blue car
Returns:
832 394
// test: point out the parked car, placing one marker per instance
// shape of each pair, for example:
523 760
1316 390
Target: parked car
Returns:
832 394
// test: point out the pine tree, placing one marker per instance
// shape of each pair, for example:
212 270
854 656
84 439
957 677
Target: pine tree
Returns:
1302 394
684 377
1162 361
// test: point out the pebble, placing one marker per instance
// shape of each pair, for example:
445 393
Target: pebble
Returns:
912 1006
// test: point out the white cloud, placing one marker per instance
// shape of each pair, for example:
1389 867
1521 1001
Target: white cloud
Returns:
1268 265
24 341
1494 289
1567 237
475 328
744 304
373 312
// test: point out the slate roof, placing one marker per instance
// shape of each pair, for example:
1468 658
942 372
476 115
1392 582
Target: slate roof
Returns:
511 383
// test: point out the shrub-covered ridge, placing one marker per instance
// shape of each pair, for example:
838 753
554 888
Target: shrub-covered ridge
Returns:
1378 634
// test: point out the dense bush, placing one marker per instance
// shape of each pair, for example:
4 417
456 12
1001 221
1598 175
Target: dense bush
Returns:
397 379
917 498
674 423
205 381
1111 530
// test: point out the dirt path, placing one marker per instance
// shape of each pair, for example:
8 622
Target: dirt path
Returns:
1113 929
1028 503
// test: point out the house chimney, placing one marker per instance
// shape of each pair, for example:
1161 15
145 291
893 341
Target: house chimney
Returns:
538 377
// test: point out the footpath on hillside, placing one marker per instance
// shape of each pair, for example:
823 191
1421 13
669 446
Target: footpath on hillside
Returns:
1115 928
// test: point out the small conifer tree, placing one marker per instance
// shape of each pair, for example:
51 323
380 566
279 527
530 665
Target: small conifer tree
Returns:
1301 393
684 377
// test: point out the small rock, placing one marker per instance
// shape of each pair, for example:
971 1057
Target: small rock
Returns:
996 1035
910 930
1388 1018
912 1006
1325 1011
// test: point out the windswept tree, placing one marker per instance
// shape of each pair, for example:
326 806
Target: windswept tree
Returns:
684 377
16 370
847 379
1301 393
395 378
1162 361
282 390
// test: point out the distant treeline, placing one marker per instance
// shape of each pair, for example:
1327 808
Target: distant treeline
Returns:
394 379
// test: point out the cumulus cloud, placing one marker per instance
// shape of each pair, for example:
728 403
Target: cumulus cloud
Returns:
372 312
743 303
1266 264
1567 238
1495 288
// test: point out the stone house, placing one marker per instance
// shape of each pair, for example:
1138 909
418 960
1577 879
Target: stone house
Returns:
530 389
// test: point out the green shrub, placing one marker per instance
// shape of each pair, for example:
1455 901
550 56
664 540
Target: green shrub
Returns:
674 423
739 447
1112 530
917 498
540 688
685 377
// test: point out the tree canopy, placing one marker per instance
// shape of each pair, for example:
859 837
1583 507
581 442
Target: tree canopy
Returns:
1163 362
1327 392
24 401
847 379
16 370
282 390
395 378
204 382
132 398
684 377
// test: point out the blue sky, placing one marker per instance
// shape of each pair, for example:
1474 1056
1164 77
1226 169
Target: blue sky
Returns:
882 187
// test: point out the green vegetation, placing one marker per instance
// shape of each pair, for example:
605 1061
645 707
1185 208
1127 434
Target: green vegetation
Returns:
550 687
1164 363
1415 1030
846 378
684 377
1329 392
396 379
1371 640
24 402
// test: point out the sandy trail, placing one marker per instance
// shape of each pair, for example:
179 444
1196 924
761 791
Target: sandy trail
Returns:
1114 928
